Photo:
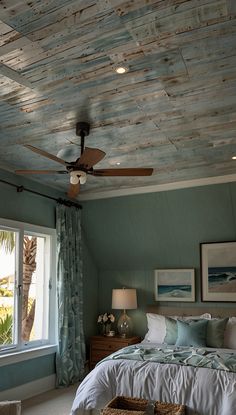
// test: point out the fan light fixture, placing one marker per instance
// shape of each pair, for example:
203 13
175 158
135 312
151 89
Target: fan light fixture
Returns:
124 299
78 176
74 179
83 163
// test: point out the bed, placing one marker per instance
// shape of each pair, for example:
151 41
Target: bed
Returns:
201 377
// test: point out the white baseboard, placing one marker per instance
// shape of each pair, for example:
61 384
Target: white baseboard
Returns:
29 389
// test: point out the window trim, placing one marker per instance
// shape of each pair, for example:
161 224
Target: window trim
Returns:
34 347
22 355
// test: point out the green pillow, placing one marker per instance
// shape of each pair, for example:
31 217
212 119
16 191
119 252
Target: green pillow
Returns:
171 331
192 333
215 332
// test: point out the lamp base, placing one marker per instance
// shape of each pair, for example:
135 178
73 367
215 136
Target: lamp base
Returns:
125 325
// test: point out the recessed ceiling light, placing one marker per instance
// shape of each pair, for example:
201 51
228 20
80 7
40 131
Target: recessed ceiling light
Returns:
234 157
121 69
118 163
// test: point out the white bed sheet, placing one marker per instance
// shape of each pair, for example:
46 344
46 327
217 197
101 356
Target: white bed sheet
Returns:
204 391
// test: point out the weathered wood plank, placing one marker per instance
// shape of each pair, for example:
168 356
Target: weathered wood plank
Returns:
231 8
171 21
8 72
23 14
176 103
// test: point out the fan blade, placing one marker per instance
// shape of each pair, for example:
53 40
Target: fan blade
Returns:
90 157
41 171
73 190
46 154
123 172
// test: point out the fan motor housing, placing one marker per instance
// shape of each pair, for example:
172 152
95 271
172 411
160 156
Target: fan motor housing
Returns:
82 128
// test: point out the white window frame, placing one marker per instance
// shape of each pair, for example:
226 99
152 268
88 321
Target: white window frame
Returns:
23 350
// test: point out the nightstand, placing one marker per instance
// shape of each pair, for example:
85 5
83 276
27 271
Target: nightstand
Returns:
102 346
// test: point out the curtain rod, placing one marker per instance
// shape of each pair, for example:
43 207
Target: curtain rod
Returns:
20 189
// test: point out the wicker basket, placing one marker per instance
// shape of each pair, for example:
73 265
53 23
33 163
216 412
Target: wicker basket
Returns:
122 405
10 407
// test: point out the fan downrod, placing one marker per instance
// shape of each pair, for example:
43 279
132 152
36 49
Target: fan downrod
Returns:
82 129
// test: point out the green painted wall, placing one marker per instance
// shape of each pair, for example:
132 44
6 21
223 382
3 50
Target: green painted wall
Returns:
26 207
30 208
131 236
24 372
124 240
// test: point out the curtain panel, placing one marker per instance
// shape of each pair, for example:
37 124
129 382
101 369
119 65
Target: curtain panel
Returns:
70 359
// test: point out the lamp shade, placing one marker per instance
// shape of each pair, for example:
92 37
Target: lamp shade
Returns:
124 299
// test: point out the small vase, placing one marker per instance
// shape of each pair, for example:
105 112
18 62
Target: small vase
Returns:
107 328
102 330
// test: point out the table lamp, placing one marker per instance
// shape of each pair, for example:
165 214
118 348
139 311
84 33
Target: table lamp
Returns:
124 299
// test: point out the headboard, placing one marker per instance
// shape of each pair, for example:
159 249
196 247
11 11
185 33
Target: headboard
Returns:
191 311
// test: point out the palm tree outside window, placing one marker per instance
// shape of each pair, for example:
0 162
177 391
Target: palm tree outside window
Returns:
25 287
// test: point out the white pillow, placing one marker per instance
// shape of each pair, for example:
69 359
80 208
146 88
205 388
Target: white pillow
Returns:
207 316
230 334
157 326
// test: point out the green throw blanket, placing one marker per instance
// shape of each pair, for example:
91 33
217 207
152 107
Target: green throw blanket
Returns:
188 356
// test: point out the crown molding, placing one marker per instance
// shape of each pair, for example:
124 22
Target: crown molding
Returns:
93 195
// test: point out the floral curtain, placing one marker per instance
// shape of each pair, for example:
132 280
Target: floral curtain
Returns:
70 359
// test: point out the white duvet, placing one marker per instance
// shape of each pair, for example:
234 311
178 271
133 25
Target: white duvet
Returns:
204 391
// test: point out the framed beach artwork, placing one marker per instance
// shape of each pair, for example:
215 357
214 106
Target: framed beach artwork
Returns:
174 285
218 268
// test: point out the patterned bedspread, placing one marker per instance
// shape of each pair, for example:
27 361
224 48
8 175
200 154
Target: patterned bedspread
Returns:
197 357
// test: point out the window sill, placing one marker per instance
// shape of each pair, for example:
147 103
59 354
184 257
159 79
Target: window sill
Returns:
20 356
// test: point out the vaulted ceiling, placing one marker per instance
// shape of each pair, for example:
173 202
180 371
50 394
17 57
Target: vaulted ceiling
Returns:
173 110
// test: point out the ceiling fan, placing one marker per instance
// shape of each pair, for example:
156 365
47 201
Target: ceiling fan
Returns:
83 165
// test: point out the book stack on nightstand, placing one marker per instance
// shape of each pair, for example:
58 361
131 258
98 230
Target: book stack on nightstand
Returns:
102 346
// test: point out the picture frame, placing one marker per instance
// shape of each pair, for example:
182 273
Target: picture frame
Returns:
218 271
175 285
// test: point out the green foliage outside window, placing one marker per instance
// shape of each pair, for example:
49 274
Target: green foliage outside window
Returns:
6 329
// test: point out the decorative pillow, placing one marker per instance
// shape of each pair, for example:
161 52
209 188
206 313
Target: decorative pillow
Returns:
230 334
206 316
215 332
156 328
172 329
192 333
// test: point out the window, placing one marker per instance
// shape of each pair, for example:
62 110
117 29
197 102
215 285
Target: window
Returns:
27 286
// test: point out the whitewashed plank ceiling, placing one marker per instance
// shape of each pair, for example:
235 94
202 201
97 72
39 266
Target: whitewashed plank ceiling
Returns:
174 110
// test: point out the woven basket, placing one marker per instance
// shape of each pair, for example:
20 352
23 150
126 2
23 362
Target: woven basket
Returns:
10 407
122 405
